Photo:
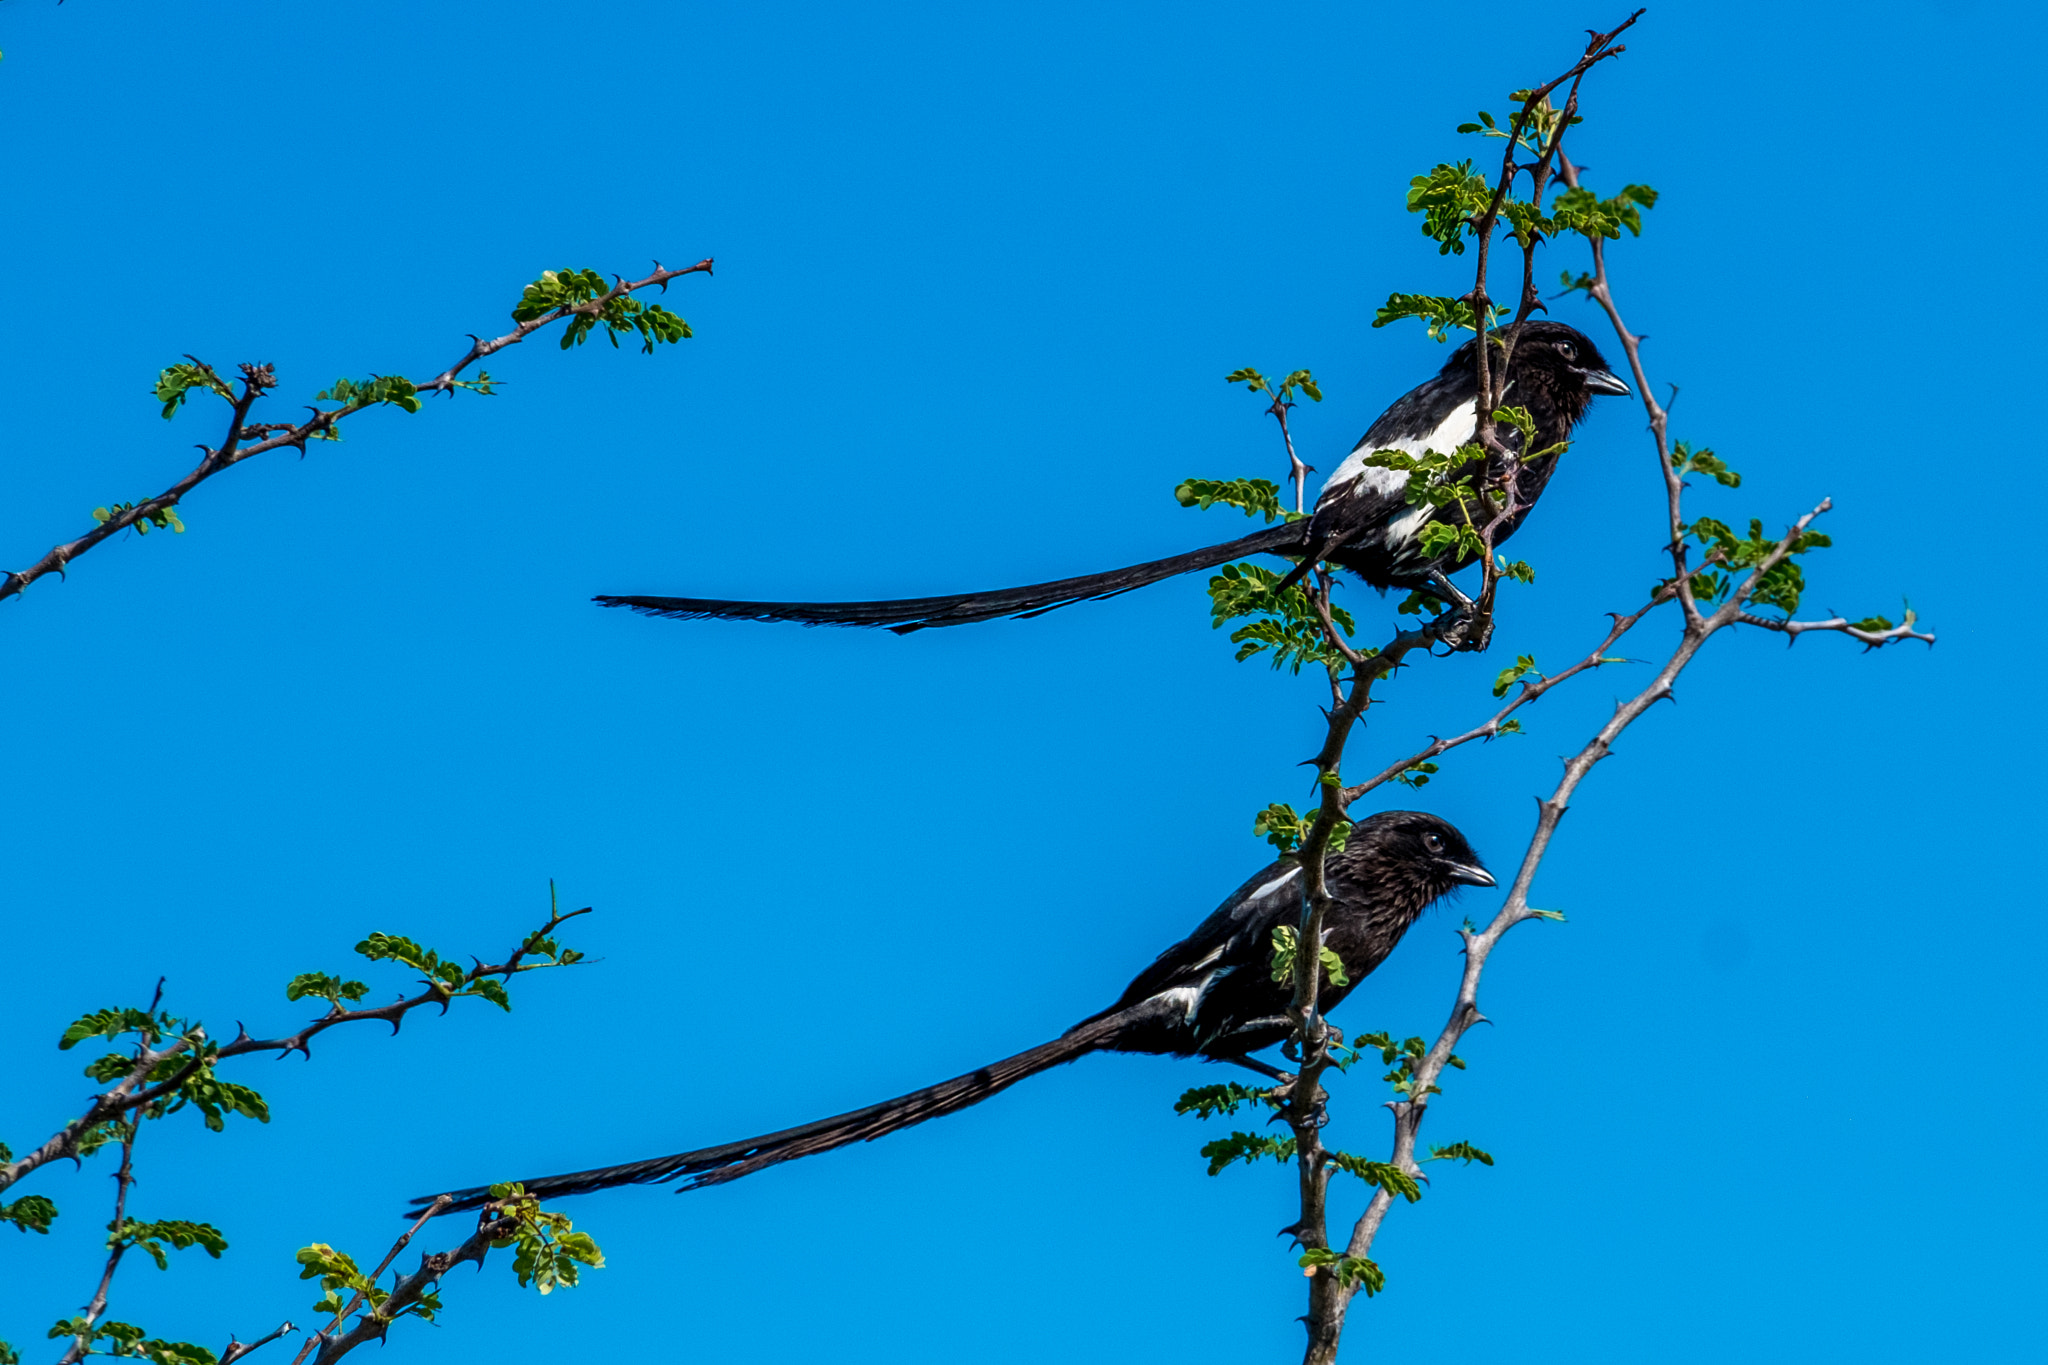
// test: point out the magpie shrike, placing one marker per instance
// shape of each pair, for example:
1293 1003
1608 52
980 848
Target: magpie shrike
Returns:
1211 995
1363 521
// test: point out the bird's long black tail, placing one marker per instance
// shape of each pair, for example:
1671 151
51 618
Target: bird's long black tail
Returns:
916 613
730 1161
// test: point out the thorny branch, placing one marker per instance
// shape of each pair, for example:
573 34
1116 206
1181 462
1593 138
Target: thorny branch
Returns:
263 437
1599 47
1330 1295
330 1346
132 1093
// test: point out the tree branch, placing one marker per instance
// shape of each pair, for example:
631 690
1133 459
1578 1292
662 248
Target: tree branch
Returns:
1329 1297
126 1096
258 379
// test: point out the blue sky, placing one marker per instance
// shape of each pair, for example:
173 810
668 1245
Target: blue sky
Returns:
980 274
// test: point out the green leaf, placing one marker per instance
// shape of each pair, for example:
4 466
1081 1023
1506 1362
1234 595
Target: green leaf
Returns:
1447 198
1580 210
380 947
1523 665
325 987
179 1233
1386 1175
1353 1272
1246 1147
1780 586
1207 1101
112 1023
354 394
1685 460
334 1269
1256 497
1284 941
1460 1151
1417 776
492 990
619 314
1289 627
30 1213
1280 826
1442 315
176 381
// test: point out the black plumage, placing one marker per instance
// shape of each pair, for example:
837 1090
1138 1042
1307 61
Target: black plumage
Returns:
1211 995
1362 521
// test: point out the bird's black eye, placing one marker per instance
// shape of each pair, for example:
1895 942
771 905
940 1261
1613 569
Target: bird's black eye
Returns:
1567 350
1433 842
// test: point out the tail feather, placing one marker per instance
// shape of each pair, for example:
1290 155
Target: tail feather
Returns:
730 1161
916 613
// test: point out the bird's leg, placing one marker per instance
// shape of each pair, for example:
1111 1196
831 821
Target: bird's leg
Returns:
1459 633
1441 582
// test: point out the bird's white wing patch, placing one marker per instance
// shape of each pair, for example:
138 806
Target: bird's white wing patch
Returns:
1188 999
1451 433
1291 873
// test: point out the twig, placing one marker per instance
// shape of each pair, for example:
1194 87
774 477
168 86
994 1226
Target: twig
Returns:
1530 691
237 1349
259 379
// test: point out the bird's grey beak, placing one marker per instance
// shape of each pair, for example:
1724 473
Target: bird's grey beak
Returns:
1603 381
1471 874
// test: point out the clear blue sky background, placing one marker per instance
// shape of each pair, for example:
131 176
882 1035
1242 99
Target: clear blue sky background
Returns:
1770 1093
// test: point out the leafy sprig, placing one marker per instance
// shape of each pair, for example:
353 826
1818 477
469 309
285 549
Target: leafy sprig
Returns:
1685 460
1254 497
1779 586
1288 624
1286 943
1441 315
619 314
1353 1272
1284 828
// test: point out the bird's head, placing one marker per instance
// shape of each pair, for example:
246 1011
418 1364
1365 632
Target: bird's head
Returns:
1424 852
1565 362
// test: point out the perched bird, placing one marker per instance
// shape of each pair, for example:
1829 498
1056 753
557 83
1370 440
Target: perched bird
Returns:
1211 995
1363 521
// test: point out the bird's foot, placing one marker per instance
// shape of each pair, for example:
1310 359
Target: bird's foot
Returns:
1464 626
1315 1114
1469 631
